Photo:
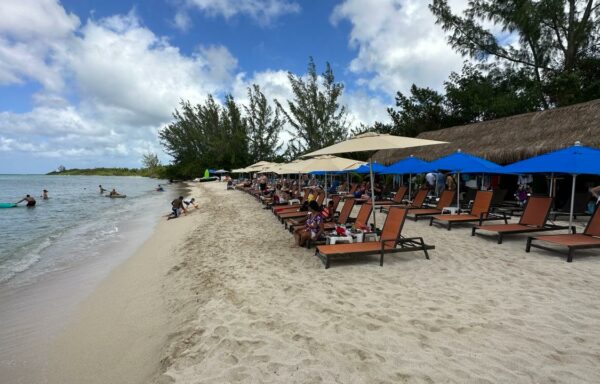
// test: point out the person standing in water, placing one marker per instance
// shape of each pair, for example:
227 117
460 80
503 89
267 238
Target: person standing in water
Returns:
44 194
29 199
102 190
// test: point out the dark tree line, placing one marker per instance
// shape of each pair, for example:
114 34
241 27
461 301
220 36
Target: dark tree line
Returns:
214 135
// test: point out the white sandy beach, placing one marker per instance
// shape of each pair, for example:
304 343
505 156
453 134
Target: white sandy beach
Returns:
223 295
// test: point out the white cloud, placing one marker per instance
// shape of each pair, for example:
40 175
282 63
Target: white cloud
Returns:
398 43
126 81
32 34
262 11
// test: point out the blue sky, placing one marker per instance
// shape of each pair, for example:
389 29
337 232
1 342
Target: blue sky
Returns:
87 83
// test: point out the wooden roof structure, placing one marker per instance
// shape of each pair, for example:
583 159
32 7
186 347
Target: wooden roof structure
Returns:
513 138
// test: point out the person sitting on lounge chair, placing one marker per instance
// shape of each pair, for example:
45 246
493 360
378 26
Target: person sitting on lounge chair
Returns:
313 227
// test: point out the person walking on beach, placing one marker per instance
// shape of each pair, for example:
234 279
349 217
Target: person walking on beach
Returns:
176 205
29 199
102 190
44 194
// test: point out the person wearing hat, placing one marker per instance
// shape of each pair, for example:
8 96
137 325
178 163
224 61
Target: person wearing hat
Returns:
44 194
313 227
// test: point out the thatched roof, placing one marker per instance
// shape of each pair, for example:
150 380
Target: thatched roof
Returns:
512 138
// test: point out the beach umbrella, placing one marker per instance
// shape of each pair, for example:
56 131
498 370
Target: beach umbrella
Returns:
459 162
365 168
327 163
372 142
220 172
411 165
574 160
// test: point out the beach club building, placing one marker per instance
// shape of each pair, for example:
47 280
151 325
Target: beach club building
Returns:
515 138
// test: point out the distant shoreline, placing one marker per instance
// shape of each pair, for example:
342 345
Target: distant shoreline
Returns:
105 172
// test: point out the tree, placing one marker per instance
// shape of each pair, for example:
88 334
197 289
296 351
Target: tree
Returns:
555 39
317 118
264 126
206 135
61 168
150 160
422 111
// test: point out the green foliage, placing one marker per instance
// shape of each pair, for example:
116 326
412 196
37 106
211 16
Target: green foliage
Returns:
558 40
150 160
264 126
317 118
422 111
206 135
157 172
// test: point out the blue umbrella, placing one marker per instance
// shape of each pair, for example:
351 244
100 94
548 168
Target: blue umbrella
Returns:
408 166
464 163
377 168
574 160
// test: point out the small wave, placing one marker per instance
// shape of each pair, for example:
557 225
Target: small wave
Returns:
10 268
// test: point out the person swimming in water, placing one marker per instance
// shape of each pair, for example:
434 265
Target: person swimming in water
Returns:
102 190
44 194
29 199
160 188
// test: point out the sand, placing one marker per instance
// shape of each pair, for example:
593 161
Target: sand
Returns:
223 295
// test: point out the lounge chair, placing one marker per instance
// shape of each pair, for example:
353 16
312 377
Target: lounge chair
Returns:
362 218
283 217
534 219
417 202
590 238
342 219
397 199
579 206
480 212
445 201
291 207
391 238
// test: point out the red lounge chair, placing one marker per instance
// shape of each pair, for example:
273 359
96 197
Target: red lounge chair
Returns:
417 202
344 214
397 199
590 238
362 218
391 238
445 201
480 212
534 219
297 214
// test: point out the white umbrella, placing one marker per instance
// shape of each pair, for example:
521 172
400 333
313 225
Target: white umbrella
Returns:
372 142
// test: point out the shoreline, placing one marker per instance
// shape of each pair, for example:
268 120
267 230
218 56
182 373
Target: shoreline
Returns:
223 295
117 332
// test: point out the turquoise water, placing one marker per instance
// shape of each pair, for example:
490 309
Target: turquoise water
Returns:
74 224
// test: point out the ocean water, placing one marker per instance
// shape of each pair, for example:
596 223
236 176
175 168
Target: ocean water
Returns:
75 224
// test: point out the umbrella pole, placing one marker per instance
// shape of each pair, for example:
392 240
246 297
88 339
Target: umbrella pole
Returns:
325 188
572 204
458 192
372 191
409 187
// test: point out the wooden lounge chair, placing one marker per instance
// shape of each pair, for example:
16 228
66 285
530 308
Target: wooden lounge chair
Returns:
480 212
283 217
445 201
397 199
579 207
291 207
590 238
534 219
417 202
342 219
391 238
362 218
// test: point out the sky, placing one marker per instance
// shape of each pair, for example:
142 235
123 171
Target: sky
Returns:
89 83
